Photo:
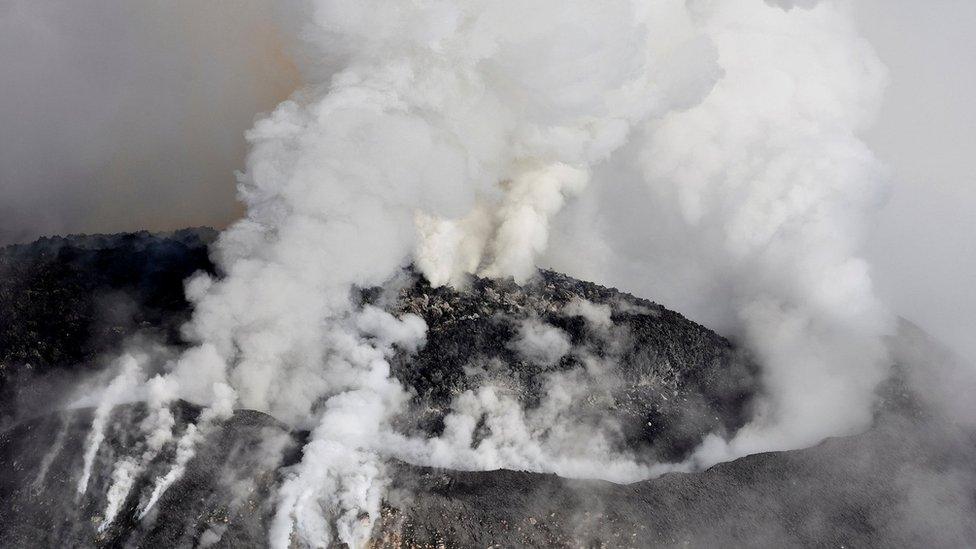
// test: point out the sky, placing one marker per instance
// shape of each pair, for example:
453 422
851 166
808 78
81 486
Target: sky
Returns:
922 246
117 115
120 115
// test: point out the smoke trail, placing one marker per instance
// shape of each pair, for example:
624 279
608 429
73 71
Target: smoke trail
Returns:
124 382
52 454
184 452
158 430
222 408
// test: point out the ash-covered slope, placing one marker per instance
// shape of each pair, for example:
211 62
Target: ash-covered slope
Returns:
906 483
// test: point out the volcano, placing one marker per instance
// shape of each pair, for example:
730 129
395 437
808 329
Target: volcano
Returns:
68 302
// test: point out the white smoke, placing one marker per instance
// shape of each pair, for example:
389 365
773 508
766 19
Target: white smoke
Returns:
769 174
567 433
437 107
503 241
596 315
221 408
52 454
454 132
185 450
540 342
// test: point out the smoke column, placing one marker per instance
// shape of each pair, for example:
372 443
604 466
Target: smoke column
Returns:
437 107
453 133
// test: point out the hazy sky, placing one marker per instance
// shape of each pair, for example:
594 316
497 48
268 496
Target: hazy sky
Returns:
924 245
118 115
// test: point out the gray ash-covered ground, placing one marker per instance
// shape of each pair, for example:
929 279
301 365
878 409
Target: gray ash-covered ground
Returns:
908 482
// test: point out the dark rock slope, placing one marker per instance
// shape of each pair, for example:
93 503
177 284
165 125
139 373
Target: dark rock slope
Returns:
65 301
909 482
905 484
225 494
